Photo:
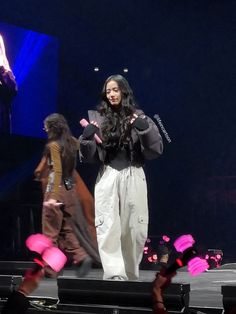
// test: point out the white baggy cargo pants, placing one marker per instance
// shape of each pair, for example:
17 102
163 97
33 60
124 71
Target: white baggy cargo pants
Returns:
121 219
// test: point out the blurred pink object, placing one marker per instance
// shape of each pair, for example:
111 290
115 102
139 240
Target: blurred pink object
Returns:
38 243
54 258
197 266
165 238
84 123
184 242
154 257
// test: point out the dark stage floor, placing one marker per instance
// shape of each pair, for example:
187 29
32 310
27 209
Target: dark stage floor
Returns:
205 289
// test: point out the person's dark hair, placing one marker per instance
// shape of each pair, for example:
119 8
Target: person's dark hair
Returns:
59 131
116 127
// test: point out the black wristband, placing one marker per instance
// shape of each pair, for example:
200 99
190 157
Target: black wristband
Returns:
141 124
89 131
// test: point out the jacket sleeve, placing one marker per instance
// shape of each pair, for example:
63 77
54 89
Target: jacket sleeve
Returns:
57 168
151 141
88 150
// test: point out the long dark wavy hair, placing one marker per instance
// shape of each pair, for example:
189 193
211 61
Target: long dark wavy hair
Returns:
116 127
59 131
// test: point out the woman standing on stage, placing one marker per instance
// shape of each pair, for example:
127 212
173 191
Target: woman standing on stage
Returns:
121 208
62 218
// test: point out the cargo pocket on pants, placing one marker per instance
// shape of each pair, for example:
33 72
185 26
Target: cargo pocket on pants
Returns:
99 223
142 229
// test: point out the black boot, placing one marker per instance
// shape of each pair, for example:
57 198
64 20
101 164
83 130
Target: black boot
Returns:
83 268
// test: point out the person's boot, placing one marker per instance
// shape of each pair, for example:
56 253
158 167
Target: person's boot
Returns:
83 268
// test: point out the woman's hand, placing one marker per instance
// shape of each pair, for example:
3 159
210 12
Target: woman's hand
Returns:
140 123
94 123
51 203
133 118
90 130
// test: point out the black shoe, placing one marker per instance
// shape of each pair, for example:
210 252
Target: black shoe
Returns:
117 278
84 267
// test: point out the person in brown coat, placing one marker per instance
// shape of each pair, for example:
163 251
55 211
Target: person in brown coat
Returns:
63 219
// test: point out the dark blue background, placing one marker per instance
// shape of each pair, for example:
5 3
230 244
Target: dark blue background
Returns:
182 65
33 58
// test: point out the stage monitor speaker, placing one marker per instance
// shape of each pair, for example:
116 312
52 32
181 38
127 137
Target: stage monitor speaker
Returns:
229 299
120 293
7 284
15 267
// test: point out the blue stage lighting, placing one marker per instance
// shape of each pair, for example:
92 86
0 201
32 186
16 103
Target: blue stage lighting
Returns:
31 49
